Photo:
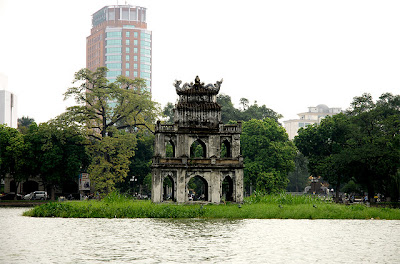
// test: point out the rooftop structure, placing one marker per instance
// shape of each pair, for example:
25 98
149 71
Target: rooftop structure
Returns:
313 116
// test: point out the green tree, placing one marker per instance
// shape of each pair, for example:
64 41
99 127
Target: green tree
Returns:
298 178
268 155
325 147
168 111
57 153
363 145
140 164
248 111
105 107
375 144
12 155
228 111
108 111
111 160
24 123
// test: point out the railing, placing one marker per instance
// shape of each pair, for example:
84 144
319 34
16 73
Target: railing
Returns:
164 127
236 128
198 161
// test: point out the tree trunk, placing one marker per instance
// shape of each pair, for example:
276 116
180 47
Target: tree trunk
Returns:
53 192
337 189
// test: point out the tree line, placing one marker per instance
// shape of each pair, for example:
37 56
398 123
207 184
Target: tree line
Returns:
109 134
360 146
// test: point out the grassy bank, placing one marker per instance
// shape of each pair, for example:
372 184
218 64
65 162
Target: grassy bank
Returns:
255 207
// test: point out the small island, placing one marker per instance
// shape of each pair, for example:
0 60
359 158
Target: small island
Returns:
280 206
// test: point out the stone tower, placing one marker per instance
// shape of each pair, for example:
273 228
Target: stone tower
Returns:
197 125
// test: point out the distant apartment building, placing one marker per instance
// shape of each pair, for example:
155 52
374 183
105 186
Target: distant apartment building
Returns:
120 41
313 116
8 109
8 104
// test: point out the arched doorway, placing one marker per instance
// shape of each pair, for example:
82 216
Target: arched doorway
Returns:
225 149
198 149
168 189
30 186
198 189
13 186
227 189
170 149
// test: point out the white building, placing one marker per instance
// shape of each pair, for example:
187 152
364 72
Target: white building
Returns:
8 105
313 116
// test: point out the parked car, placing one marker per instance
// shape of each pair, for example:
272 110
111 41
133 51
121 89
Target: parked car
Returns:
36 195
10 196
28 196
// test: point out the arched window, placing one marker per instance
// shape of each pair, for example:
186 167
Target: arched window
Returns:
198 189
168 189
226 149
227 189
30 186
198 149
170 149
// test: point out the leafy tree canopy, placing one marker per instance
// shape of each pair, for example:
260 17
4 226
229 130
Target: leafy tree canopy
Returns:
108 111
268 155
105 107
363 144
247 112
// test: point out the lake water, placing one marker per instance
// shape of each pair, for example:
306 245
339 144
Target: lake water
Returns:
59 240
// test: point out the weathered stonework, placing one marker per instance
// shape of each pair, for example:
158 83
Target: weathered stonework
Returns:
198 118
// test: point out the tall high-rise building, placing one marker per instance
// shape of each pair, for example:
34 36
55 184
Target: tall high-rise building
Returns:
8 109
120 41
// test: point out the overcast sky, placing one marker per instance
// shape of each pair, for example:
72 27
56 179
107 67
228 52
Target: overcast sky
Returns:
288 55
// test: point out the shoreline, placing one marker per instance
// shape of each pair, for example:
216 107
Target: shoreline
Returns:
146 209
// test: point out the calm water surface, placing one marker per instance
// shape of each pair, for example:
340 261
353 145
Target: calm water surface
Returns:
58 240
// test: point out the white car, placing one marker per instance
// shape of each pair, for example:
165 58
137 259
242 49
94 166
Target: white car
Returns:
36 195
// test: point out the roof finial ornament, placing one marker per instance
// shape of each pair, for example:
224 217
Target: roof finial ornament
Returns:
197 83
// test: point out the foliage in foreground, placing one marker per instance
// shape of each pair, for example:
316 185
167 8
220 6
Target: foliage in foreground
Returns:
255 207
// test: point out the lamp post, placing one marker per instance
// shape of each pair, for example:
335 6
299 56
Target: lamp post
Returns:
133 180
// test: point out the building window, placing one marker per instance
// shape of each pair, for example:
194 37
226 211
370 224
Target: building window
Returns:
113 42
117 34
144 59
134 58
145 75
129 26
144 43
113 50
145 36
127 73
127 65
135 66
113 73
135 74
135 50
127 57
135 42
113 58
135 34
113 65
127 42
127 49
145 67
127 34
144 52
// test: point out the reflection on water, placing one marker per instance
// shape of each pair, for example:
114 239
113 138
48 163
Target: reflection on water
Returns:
58 240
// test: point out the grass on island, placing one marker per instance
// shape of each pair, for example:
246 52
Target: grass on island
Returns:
283 206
